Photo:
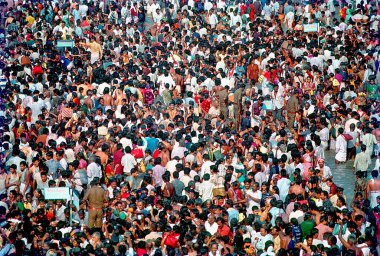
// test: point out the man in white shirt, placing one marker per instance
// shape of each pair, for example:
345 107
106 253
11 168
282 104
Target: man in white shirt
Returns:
210 225
278 102
205 188
213 19
283 185
93 169
253 196
128 161
206 165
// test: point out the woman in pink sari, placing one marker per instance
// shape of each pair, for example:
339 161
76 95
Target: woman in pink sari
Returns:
308 161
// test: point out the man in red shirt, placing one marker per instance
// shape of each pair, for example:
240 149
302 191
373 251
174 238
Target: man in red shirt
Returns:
333 187
223 229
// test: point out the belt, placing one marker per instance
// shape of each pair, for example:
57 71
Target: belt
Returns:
291 112
94 208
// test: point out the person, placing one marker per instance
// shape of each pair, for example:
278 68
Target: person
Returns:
340 148
362 161
95 197
176 110
373 188
292 106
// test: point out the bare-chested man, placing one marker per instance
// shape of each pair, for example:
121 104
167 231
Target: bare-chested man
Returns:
373 188
108 100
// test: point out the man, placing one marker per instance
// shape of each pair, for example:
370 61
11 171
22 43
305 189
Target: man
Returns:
210 225
223 95
283 185
292 106
253 196
128 161
253 72
340 148
326 173
206 187
277 96
96 50
362 161
373 188
93 169
95 197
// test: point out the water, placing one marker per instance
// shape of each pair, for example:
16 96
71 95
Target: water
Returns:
343 175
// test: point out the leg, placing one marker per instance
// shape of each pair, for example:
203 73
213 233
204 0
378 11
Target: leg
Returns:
91 218
98 218
291 119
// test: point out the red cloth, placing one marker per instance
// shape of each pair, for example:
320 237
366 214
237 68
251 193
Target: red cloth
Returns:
172 240
37 70
206 104
117 161
252 12
224 231
333 189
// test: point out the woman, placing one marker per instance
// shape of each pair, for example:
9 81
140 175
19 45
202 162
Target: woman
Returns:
308 86
308 161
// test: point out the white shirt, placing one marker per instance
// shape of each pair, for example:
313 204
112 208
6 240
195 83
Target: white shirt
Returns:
211 228
128 161
205 189
206 168
257 194
283 185
93 170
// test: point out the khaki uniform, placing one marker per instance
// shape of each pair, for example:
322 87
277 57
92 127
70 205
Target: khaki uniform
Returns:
95 196
291 109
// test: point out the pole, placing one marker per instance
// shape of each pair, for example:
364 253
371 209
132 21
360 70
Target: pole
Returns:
71 208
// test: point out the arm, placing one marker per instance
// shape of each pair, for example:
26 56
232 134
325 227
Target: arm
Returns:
85 198
344 242
27 181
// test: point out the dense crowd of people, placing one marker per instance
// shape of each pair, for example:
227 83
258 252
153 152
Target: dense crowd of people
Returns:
189 127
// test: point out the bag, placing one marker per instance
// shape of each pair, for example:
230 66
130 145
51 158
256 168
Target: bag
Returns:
219 192
137 153
25 60
347 137
67 112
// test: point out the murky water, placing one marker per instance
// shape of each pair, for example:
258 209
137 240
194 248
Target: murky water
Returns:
343 175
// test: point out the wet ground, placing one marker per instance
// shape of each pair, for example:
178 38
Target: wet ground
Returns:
342 174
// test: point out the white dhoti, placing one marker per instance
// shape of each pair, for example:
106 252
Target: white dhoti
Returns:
332 144
94 57
341 156
373 198
341 149
324 144
376 149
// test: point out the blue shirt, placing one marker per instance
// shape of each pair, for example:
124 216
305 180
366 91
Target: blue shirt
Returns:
232 214
152 144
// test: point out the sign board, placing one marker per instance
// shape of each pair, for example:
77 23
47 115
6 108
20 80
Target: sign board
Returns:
65 43
311 27
57 193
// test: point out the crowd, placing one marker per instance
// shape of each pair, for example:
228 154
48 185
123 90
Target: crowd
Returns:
189 127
